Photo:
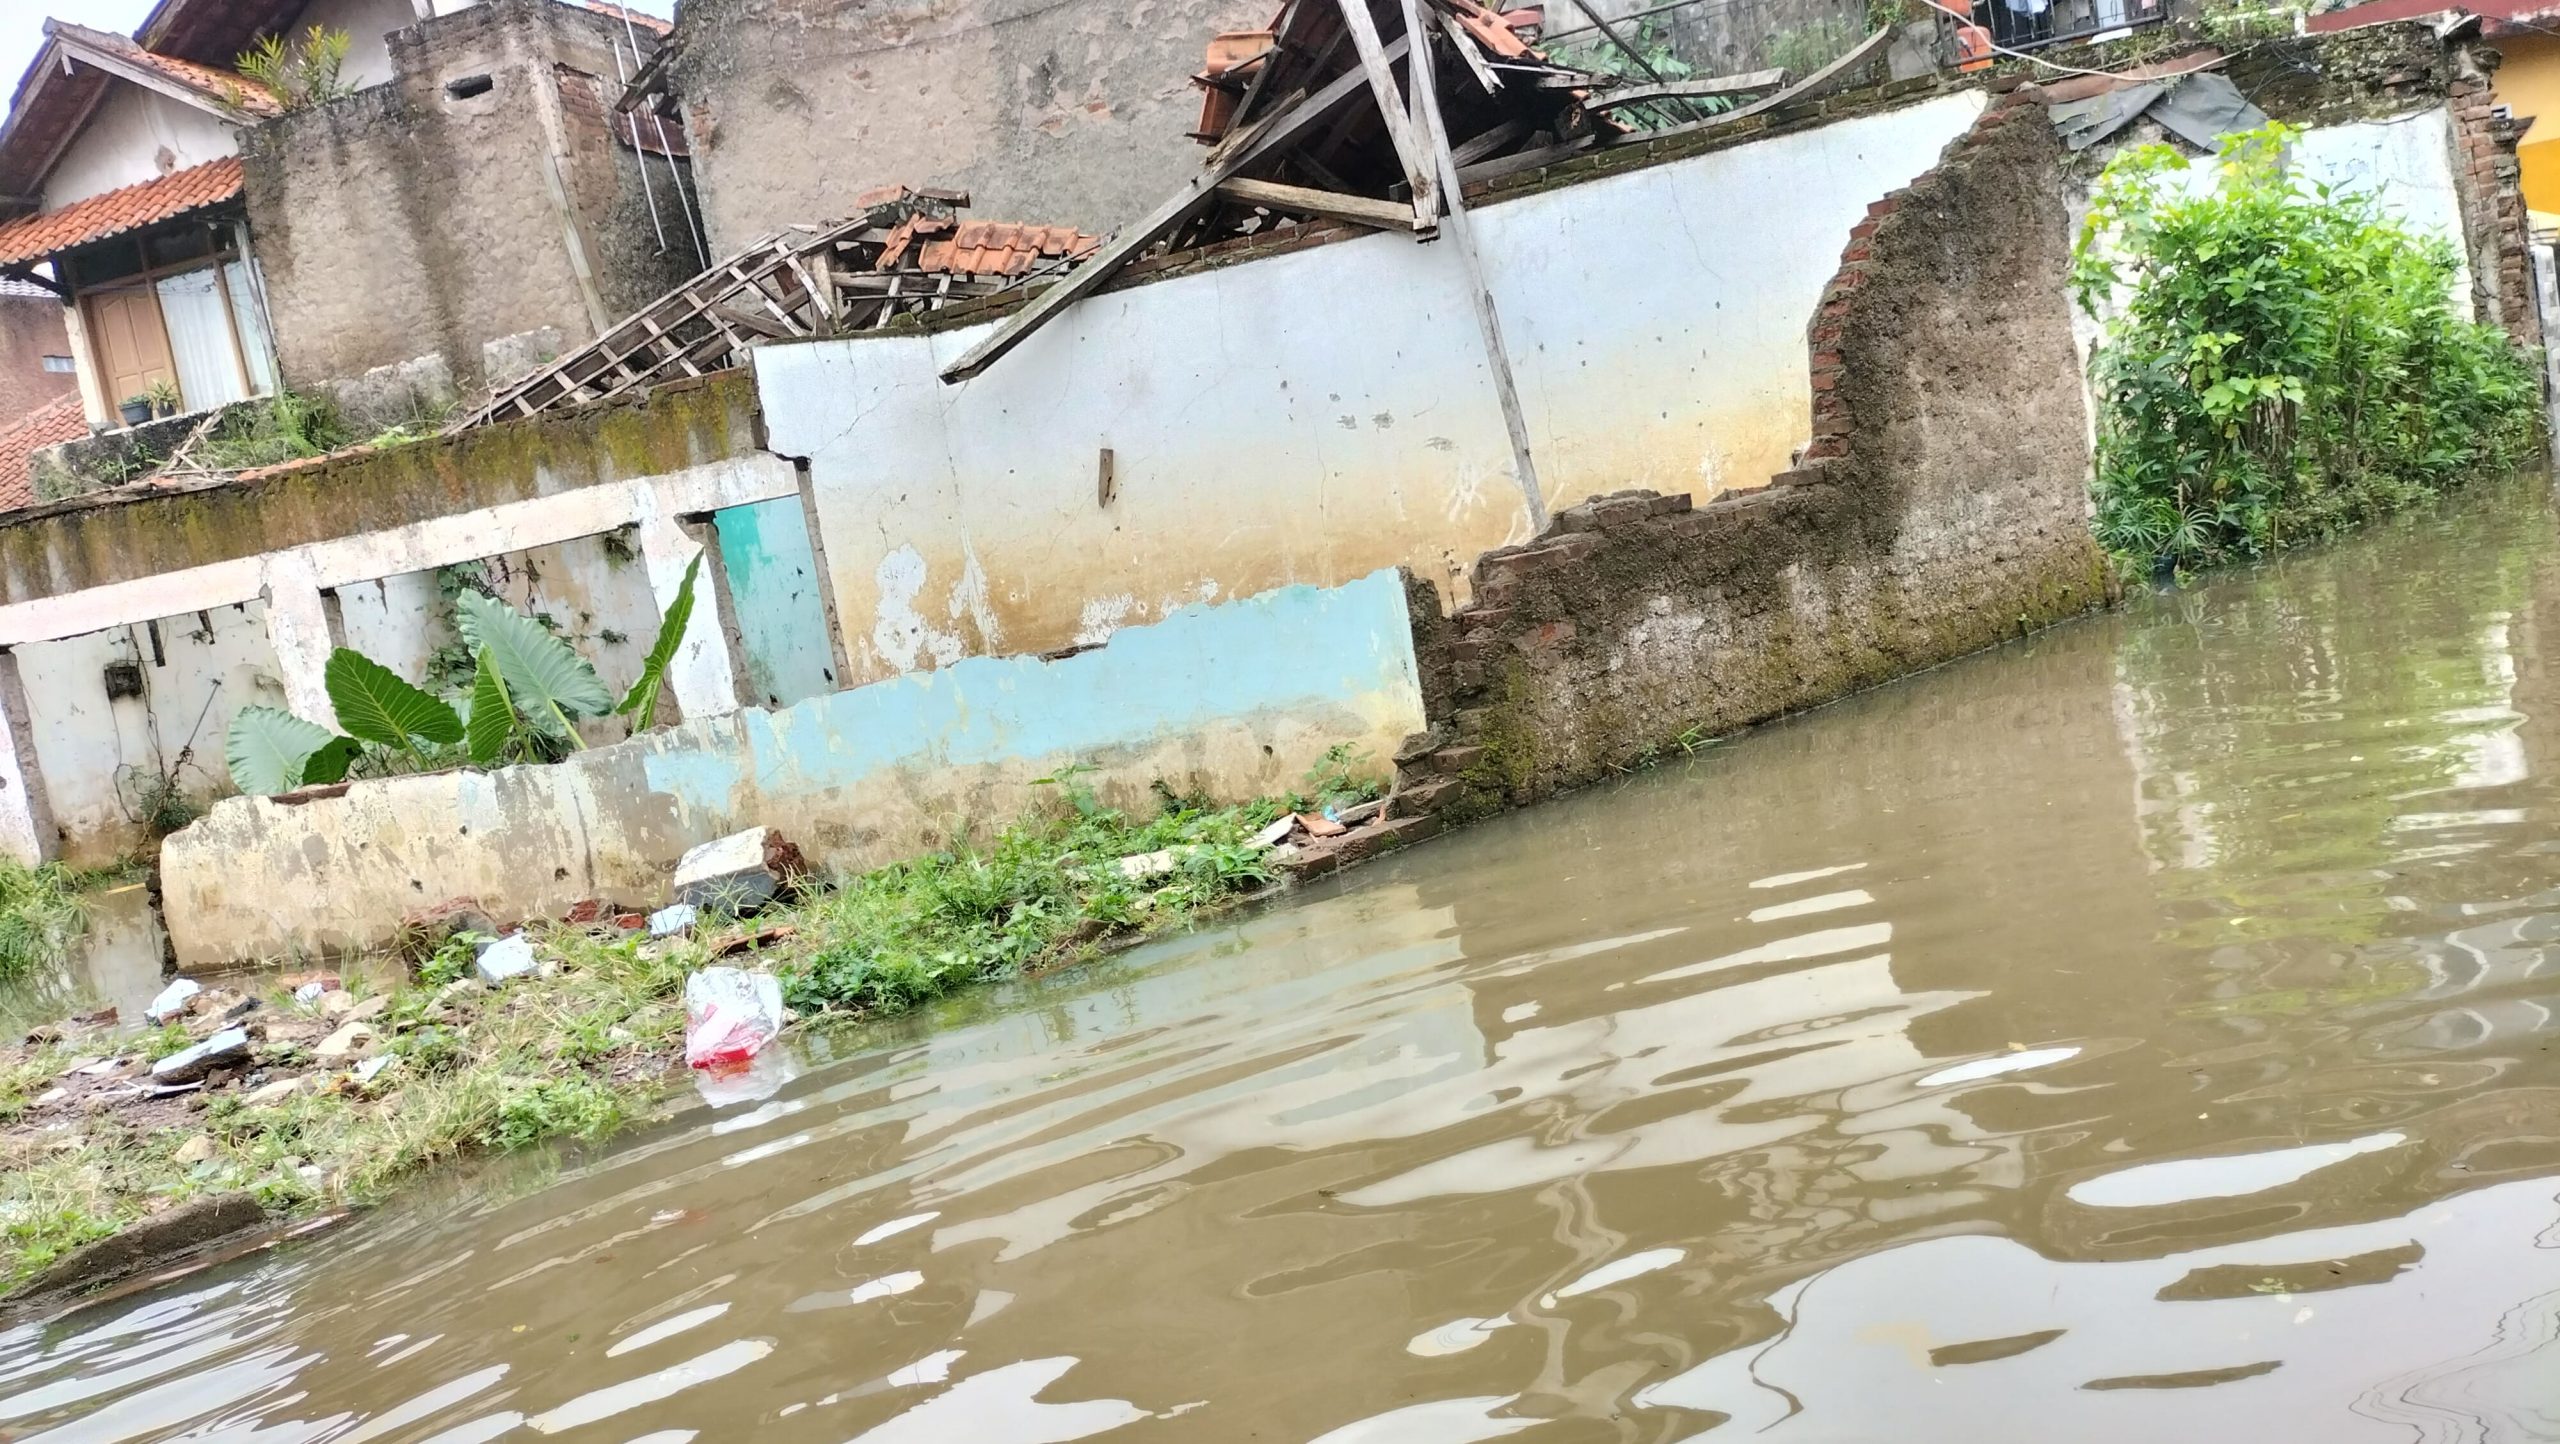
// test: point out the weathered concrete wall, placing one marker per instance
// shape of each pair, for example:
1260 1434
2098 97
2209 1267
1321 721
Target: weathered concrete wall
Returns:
233 595
411 221
1231 699
369 24
104 749
1069 112
770 573
48 553
1942 508
1266 427
30 330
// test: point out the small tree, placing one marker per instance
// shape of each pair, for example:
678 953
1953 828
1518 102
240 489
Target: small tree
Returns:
2279 360
302 72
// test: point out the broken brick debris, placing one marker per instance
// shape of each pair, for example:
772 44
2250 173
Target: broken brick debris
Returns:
907 251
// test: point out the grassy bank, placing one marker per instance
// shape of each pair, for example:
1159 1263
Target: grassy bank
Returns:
593 1039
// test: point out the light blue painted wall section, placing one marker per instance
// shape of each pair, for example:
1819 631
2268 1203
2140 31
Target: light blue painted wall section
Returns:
1233 699
773 585
1296 651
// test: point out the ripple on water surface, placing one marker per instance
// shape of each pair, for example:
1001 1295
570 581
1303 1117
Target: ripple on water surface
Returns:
2143 1031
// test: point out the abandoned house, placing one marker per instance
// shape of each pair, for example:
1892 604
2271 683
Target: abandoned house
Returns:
454 209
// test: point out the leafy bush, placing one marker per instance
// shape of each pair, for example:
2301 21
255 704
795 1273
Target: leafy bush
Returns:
528 689
1661 55
279 428
2287 360
1803 49
1344 777
301 72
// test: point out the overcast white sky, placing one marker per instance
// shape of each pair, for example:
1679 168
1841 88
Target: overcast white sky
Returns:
22 26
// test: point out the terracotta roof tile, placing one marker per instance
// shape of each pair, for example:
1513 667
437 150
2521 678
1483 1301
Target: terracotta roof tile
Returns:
32 238
56 421
224 87
618 12
987 248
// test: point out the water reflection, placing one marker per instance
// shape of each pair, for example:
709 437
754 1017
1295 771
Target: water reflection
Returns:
2144 1028
116 963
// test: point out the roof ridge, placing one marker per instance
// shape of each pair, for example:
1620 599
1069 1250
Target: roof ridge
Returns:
215 82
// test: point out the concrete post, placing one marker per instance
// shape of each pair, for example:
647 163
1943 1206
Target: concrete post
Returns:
703 673
26 818
298 629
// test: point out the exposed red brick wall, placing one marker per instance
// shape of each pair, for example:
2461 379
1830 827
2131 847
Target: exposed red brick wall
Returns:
30 330
2486 175
1940 507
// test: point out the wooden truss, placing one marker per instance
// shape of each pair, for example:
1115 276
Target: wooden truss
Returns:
1455 95
831 280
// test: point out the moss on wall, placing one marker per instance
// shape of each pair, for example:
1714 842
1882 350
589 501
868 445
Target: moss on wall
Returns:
113 536
1941 510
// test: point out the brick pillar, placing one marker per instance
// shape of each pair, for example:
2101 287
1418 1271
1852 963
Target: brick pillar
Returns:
2487 178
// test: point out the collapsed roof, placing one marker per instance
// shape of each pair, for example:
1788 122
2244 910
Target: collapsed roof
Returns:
907 251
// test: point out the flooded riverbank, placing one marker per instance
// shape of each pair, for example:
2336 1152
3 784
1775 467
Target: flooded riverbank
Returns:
2142 1028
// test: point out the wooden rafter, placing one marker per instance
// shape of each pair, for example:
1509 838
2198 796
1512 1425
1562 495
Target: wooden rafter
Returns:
809 281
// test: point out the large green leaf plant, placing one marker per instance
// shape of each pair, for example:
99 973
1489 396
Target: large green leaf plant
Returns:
527 694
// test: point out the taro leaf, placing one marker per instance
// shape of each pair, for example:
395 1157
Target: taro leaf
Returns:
493 717
641 702
548 681
269 749
331 762
374 705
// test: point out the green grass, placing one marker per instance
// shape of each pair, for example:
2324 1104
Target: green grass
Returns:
1033 895
573 1055
588 1046
42 913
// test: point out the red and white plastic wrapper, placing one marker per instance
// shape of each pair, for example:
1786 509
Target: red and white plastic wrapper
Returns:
729 1015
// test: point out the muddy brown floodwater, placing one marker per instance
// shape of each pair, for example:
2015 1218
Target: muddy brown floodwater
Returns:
2143 1033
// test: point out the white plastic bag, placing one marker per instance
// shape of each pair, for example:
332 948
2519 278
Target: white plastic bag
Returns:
729 1015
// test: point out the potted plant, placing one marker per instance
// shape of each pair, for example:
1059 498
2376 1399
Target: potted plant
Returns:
135 410
164 398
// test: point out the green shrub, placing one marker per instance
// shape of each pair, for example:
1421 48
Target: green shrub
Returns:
41 915
2287 360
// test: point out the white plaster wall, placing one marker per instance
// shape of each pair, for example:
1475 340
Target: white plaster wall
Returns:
398 620
2406 163
124 141
1656 319
388 608
92 753
1313 416
367 23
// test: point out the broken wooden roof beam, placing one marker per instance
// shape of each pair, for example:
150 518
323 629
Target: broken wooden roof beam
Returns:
1290 121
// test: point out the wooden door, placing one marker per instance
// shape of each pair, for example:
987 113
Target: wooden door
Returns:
129 341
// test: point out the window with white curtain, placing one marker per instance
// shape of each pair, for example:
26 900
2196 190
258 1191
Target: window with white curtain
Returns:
201 344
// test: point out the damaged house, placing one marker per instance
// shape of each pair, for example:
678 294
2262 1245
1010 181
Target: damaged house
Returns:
456 208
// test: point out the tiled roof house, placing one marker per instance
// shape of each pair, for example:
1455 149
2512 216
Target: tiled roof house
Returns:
130 189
